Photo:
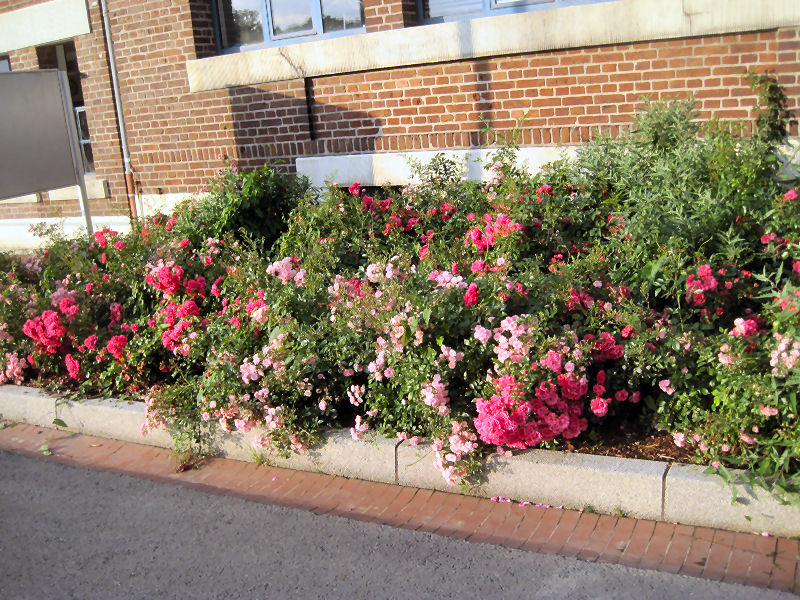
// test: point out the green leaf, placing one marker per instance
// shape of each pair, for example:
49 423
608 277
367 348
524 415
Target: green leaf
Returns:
59 423
426 315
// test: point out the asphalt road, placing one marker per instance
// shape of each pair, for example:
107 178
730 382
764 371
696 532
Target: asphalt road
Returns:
70 532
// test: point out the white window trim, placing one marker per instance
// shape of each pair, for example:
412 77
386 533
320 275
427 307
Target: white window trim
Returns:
559 28
271 41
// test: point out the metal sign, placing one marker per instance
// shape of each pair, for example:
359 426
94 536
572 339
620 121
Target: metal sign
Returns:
39 148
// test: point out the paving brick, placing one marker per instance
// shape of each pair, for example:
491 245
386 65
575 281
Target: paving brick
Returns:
415 503
581 535
472 514
531 519
786 564
696 557
741 557
676 553
764 555
378 497
656 550
717 561
639 539
327 497
392 513
507 528
498 514
561 532
545 529
608 540
447 508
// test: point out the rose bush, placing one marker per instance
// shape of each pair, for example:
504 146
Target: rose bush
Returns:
654 278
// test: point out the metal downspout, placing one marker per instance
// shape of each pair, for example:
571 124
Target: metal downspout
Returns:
123 138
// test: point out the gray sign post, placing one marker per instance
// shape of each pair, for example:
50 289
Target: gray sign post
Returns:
39 148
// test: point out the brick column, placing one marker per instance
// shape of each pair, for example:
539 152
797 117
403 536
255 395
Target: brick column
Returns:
380 15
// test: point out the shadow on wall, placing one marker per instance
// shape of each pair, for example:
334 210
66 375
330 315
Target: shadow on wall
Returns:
276 128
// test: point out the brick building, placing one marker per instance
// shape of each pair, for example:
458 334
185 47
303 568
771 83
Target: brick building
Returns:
347 87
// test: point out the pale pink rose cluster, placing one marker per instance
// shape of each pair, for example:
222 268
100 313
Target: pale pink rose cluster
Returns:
285 270
784 357
435 394
14 370
451 356
358 430
445 279
448 457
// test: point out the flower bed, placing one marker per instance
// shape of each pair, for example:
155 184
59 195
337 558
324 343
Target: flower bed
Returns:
653 278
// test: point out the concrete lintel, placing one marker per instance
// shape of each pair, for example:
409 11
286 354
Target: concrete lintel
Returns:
43 23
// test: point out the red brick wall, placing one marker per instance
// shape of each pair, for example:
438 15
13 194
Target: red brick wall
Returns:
380 15
177 138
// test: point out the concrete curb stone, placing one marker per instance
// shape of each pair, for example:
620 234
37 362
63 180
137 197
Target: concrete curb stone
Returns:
637 488
691 496
605 484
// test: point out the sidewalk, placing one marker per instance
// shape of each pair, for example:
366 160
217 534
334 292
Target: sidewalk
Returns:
713 554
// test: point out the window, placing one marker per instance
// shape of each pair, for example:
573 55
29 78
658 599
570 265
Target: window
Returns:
437 11
64 58
247 24
5 64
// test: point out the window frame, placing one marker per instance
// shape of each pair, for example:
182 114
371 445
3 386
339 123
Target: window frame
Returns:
5 59
491 8
271 41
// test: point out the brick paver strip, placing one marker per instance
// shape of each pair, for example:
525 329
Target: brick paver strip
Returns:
609 538
786 564
741 557
527 526
470 514
677 551
656 549
698 551
495 518
717 561
447 506
581 535
561 532
506 529
544 530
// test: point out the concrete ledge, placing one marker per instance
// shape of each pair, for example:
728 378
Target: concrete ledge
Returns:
15 233
637 488
695 498
394 168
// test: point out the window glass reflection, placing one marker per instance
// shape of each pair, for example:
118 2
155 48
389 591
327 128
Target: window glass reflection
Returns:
241 22
338 15
291 17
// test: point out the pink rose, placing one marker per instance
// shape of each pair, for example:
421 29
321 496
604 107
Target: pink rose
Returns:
599 406
471 296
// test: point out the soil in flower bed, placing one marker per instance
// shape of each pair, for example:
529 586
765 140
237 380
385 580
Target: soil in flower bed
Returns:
630 440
